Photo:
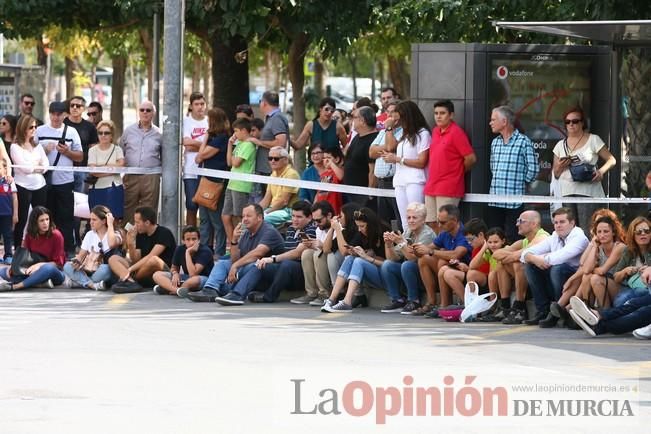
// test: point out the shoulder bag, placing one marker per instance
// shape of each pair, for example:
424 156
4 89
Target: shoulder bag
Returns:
582 172
23 259
92 179
62 141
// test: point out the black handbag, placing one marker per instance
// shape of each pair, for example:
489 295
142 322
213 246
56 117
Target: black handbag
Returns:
23 259
581 172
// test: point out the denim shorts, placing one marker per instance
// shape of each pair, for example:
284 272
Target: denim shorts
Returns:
191 186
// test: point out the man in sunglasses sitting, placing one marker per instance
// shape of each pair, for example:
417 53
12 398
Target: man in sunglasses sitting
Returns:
278 199
142 143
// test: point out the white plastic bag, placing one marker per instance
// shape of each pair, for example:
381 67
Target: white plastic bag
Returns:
477 304
471 292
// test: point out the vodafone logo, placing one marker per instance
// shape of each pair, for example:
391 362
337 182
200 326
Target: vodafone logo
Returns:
502 72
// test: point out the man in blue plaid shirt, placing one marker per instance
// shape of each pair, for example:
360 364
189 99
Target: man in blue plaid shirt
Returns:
513 165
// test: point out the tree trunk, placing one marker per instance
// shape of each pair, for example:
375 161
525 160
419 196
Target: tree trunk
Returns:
70 86
146 39
119 64
353 71
319 79
296 72
41 55
205 70
196 73
399 74
636 69
229 77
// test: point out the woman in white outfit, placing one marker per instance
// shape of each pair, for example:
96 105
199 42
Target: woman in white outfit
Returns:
411 155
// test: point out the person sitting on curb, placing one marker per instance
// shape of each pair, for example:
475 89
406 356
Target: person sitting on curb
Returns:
191 265
632 316
512 270
150 247
284 271
314 260
278 200
253 239
551 262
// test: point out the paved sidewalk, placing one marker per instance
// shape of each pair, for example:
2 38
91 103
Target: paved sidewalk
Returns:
87 362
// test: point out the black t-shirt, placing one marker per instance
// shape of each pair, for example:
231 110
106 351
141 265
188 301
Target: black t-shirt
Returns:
161 235
360 240
87 134
202 256
357 160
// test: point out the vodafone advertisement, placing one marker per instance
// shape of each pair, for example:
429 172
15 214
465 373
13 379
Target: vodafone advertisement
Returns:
539 88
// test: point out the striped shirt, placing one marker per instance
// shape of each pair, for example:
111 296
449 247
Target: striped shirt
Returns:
513 165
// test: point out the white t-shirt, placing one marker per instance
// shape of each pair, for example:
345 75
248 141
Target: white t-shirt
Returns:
406 149
101 158
25 177
47 136
91 242
195 130
588 153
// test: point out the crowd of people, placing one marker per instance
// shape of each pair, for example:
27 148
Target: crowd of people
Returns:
247 242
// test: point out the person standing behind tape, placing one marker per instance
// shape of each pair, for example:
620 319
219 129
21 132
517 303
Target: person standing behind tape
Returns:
108 189
62 145
274 133
513 165
141 143
195 128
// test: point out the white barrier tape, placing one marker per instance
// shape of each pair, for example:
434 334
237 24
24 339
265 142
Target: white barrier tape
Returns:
340 188
105 169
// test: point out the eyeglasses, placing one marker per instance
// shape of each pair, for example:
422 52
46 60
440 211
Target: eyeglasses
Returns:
645 231
76 106
92 113
316 152
29 103
470 238
32 127
520 221
104 133
573 121
275 158
146 110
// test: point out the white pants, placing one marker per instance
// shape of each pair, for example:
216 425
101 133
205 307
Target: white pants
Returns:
406 194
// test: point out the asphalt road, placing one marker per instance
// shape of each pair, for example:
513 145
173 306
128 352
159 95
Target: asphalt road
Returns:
86 362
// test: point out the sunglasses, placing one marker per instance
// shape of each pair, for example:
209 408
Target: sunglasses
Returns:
29 103
520 221
104 133
92 113
328 109
32 127
275 158
573 121
4 123
76 106
146 110
470 238
645 231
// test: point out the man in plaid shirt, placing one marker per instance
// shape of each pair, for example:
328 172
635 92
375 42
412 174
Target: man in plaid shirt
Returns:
513 165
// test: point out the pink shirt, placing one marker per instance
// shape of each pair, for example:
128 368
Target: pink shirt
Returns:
446 156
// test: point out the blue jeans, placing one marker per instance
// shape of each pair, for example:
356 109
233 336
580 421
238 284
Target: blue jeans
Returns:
81 280
631 315
547 285
7 232
210 223
247 278
279 276
395 273
47 271
360 270
625 294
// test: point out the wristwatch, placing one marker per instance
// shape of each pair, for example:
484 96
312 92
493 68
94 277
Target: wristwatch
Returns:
388 129
234 243
273 258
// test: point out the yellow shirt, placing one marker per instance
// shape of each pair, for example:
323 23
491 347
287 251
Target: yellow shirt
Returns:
278 190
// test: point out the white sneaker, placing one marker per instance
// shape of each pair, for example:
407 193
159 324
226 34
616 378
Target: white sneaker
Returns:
67 283
582 309
99 286
643 332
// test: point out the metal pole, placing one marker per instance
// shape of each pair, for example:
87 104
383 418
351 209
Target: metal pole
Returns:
174 22
155 74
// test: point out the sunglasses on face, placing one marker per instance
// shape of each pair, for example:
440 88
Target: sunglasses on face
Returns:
644 231
29 103
328 109
275 158
92 113
146 110
103 133
76 106
520 221
32 127
573 121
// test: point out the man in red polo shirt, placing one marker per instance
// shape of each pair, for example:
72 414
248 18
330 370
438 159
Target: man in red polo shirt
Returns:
450 157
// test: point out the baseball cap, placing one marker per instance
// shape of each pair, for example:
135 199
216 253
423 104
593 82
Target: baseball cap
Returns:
57 107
